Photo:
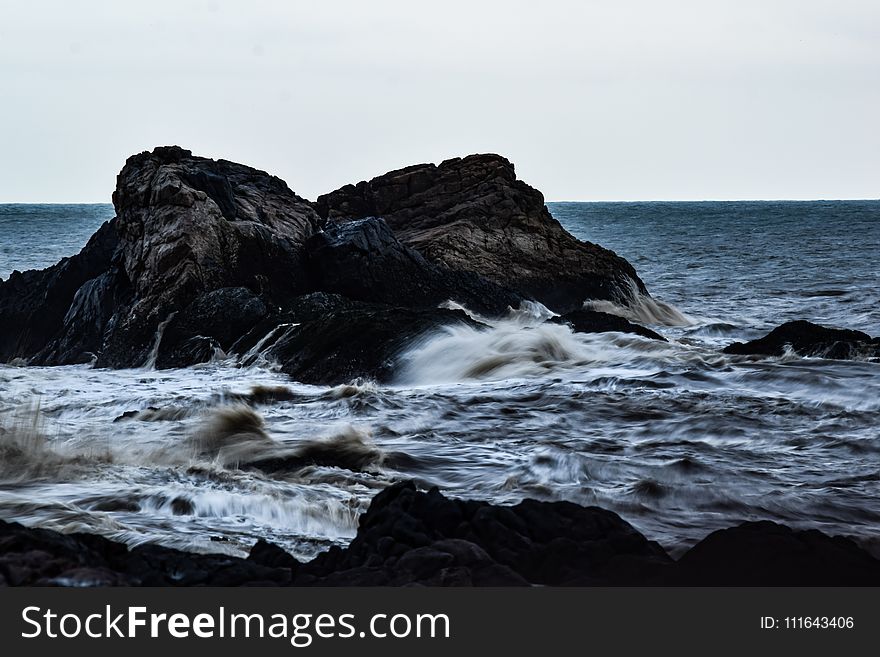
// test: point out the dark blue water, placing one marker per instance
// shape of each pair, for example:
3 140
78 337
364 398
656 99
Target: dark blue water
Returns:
675 436
752 263
37 236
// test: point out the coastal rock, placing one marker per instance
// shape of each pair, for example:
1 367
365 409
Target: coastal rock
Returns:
186 227
207 258
189 226
360 341
35 305
363 260
208 325
808 339
412 537
768 554
594 321
472 215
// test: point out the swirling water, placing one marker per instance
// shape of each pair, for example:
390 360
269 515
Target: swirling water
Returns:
677 437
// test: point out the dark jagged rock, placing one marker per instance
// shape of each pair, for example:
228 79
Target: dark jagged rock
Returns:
411 537
272 556
765 553
808 339
186 228
362 341
189 226
593 321
472 214
208 257
211 323
42 557
363 260
34 305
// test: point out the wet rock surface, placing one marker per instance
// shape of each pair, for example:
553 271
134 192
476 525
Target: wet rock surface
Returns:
808 339
35 306
410 537
472 214
363 260
594 321
207 257
361 341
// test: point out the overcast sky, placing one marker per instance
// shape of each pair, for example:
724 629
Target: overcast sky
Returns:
592 100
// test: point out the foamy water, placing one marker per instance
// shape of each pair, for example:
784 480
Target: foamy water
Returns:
677 437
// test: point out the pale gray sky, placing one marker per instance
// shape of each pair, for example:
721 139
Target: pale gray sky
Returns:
616 99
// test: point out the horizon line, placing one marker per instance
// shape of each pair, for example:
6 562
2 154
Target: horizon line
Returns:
643 200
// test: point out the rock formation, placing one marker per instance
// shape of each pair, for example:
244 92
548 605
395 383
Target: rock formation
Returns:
594 321
413 537
808 339
472 215
206 258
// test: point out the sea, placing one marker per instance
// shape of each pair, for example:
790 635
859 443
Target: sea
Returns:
676 437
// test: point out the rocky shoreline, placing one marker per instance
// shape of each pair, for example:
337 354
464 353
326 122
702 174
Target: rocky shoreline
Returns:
411 537
209 259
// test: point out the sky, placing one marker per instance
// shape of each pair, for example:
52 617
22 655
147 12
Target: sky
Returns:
591 100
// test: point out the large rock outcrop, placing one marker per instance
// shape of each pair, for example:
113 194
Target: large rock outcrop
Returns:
412 537
472 214
188 226
185 227
210 258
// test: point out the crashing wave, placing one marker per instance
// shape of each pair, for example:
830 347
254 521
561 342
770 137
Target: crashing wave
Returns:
642 308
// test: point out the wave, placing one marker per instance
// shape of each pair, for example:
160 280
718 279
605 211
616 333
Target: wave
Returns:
150 363
528 313
27 455
643 309
506 350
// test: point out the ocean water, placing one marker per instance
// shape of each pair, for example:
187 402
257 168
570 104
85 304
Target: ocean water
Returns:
38 236
676 437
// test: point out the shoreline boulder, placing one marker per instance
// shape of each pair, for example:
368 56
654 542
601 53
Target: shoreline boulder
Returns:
413 537
808 339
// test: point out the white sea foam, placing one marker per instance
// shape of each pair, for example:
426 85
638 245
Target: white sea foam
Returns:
157 342
643 309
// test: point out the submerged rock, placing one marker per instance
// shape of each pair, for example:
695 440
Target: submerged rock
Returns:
413 537
594 321
808 339
472 215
